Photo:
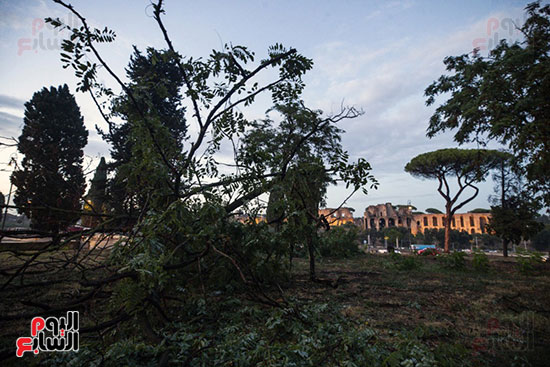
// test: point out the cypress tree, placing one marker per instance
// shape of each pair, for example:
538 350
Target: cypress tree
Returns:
50 181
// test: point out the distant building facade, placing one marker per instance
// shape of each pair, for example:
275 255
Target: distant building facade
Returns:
386 215
473 223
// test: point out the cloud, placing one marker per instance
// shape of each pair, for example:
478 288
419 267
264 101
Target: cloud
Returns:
388 83
390 6
10 125
11 102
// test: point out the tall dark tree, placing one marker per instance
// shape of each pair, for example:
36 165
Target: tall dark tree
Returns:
50 182
155 83
514 212
469 166
295 197
515 221
307 183
541 241
2 203
503 97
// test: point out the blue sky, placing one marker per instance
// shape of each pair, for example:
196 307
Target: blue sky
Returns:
374 55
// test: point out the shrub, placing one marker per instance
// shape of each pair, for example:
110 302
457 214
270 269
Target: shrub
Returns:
400 262
339 242
454 260
480 262
527 261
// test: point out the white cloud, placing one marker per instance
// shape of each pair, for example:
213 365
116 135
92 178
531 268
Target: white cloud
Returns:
389 84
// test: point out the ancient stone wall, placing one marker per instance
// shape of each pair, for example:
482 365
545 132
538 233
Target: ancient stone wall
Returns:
386 215
465 222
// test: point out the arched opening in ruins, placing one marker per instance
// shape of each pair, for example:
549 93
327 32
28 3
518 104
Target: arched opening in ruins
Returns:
382 223
391 222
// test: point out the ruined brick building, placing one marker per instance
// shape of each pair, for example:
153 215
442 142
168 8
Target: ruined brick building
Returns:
386 215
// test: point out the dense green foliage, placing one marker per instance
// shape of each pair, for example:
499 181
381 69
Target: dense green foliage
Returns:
339 242
515 221
454 260
434 236
406 263
151 110
541 241
514 211
296 196
527 261
503 97
433 211
480 262
52 143
479 210
470 165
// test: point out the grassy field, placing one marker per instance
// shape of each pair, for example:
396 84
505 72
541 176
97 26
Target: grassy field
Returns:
501 314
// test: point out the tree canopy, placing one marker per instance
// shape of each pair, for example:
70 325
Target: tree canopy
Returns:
515 221
433 211
468 166
150 107
318 161
503 97
52 143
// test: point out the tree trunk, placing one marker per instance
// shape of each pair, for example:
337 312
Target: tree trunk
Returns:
505 248
448 218
311 251
502 185
290 258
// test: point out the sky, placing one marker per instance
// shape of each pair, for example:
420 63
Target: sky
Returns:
378 56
